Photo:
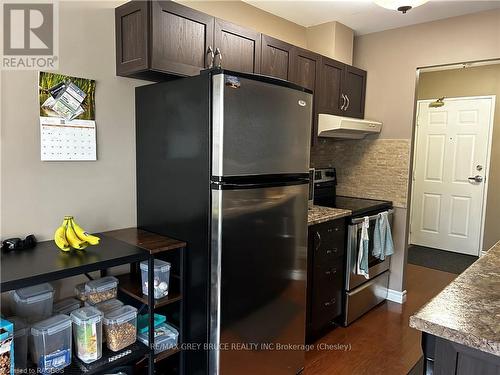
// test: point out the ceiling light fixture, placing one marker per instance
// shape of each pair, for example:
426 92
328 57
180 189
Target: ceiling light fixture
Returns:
401 5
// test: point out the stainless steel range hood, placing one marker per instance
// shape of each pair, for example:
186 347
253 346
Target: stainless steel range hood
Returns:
346 127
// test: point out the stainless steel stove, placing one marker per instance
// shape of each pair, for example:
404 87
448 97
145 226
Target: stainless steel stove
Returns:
360 294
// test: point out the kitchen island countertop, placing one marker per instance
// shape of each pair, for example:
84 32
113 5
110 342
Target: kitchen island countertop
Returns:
467 311
320 214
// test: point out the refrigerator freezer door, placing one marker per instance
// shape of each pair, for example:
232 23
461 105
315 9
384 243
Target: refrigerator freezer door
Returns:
259 128
258 280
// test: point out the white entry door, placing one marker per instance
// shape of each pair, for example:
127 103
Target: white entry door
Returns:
450 170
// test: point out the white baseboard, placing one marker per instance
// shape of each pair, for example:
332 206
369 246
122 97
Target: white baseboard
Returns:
396 296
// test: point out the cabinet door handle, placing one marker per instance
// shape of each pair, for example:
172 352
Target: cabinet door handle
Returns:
331 271
210 57
218 53
343 102
329 303
319 240
348 102
334 250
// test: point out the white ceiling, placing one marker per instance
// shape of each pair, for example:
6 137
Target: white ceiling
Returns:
364 16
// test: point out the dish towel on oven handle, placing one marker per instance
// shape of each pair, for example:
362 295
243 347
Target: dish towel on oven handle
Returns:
364 243
382 237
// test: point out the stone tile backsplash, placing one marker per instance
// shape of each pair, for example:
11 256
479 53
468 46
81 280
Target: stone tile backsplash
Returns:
368 168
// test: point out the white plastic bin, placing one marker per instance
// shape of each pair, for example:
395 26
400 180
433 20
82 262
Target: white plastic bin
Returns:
166 337
66 306
102 289
21 333
120 327
34 303
161 278
50 344
87 333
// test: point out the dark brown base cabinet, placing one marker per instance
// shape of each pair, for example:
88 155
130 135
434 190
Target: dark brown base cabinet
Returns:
162 40
325 279
443 357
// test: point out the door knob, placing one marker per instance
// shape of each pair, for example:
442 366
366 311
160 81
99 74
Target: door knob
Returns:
477 179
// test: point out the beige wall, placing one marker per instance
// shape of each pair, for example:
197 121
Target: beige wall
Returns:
249 16
476 81
35 195
391 59
331 39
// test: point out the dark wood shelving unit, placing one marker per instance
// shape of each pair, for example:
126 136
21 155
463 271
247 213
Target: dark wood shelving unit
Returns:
166 354
45 263
131 284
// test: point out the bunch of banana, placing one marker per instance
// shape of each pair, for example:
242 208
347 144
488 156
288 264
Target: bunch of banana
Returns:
71 235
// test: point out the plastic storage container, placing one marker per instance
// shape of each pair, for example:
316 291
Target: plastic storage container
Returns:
161 278
20 343
166 338
50 343
80 292
109 305
120 327
87 333
66 306
143 322
102 289
34 303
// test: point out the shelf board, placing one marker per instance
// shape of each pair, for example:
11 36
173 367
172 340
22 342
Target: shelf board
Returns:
132 286
45 262
108 361
151 242
165 354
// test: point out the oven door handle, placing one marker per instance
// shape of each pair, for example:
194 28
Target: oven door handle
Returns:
373 217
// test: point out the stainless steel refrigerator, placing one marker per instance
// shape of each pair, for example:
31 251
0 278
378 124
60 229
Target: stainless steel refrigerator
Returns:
222 163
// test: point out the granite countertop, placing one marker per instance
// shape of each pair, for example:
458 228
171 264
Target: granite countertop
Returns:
320 214
467 311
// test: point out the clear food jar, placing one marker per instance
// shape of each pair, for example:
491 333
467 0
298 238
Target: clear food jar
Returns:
20 343
34 303
108 306
66 306
50 344
120 327
102 289
161 276
87 333
80 292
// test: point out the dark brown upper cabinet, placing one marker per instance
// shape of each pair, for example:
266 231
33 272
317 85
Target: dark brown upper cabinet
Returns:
277 58
236 48
330 90
158 37
355 90
306 73
131 31
342 89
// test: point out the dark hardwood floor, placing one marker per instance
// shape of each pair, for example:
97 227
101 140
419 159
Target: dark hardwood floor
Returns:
381 342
